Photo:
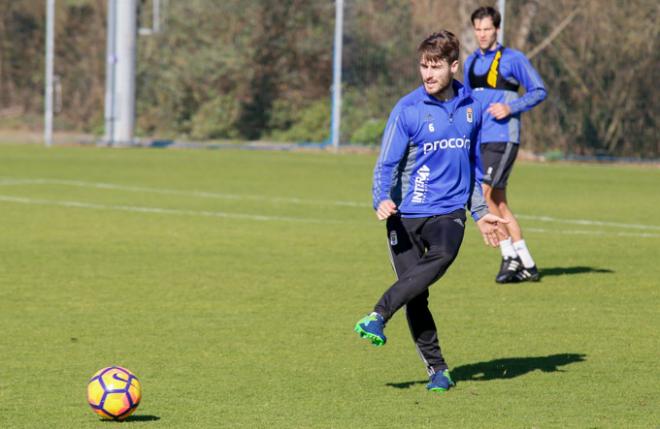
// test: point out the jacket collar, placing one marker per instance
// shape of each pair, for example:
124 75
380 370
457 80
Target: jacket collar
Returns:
488 53
461 94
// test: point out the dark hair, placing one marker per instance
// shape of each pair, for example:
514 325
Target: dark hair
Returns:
443 45
485 12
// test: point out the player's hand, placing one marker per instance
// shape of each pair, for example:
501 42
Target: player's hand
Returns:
499 110
386 208
488 225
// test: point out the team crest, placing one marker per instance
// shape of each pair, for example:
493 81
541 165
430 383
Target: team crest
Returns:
469 114
394 240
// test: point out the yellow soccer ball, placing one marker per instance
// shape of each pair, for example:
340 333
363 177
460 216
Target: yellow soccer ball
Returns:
114 393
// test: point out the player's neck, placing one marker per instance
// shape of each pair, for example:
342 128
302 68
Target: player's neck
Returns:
446 94
489 48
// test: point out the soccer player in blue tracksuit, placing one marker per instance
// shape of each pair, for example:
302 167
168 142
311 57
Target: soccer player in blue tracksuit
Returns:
423 180
493 74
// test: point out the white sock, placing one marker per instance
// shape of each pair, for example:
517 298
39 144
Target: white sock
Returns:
523 253
507 249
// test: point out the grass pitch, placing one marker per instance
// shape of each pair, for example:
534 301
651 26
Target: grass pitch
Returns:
230 281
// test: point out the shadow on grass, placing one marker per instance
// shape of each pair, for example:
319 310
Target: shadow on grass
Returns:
137 418
498 369
558 271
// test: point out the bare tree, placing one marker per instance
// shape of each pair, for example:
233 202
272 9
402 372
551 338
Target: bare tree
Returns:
527 13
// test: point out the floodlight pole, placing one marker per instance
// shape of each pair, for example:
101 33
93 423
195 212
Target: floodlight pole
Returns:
335 126
155 8
48 96
501 6
120 72
110 61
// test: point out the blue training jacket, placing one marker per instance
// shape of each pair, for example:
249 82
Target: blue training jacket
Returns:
514 67
427 157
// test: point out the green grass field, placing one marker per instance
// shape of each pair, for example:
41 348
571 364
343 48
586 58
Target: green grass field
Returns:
230 281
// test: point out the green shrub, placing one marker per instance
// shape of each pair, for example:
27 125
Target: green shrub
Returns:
370 132
283 115
311 125
216 119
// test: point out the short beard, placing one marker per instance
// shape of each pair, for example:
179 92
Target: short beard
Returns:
442 92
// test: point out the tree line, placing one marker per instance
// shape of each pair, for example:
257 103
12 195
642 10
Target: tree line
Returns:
262 69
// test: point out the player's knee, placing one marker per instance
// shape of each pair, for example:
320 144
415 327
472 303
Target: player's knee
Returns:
440 256
504 209
420 301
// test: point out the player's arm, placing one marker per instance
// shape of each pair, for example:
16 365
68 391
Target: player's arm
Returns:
535 92
466 73
486 222
393 147
530 79
477 203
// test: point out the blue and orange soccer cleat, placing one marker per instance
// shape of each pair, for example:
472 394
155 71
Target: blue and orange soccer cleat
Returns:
440 382
371 327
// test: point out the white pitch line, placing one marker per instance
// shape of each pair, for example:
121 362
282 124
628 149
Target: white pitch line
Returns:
201 194
159 210
597 233
589 222
287 200
245 216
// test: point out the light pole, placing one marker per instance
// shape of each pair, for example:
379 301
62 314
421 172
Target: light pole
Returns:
501 5
120 72
335 120
48 96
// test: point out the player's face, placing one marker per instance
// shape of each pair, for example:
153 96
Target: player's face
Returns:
486 33
437 75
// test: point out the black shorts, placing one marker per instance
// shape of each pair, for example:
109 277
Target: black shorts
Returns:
497 162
